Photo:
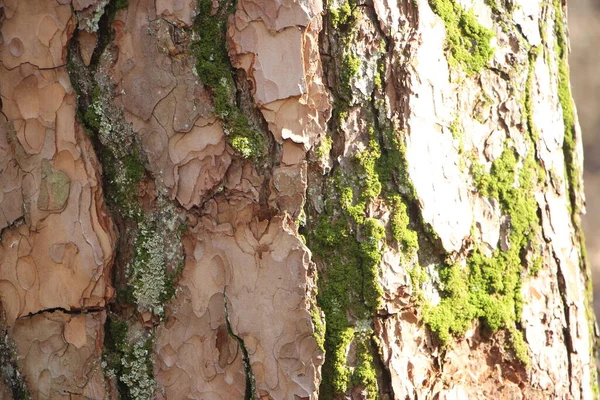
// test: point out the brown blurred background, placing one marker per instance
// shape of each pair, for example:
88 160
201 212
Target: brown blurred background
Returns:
584 30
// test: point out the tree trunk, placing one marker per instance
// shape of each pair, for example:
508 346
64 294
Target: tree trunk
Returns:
350 200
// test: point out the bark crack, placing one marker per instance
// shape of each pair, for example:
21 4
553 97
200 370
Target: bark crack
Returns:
562 289
250 383
72 311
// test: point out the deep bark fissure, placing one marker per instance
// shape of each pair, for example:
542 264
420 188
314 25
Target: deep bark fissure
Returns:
562 289
250 393
17 222
69 311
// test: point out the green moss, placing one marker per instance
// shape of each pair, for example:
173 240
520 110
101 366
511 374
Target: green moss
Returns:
489 287
119 331
214 70
324 147
368 163
399 222
170 282
418 276
373 233
350 67
454 313
364 374
380 72
573 172
455 129
467 40
536 265
377 79
123 176
391 165
566 103
343 16
91 121
350 244
351 284
121 4
519 346
319 326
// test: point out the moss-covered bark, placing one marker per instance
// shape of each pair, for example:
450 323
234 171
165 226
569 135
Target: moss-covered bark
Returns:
440 116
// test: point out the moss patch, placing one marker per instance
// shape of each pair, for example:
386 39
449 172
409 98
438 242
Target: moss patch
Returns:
324 148
364 375
343 16
399 222
467 40
489 287
350 67
215 72
575 186
350 244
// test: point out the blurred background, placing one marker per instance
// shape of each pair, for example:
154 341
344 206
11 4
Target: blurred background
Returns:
584 31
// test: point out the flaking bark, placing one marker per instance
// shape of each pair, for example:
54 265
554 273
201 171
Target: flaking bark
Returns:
284 200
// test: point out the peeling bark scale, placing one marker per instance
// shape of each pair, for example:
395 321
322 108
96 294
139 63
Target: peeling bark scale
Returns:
265 199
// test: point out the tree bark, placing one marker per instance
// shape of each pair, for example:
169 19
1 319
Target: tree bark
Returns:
291 200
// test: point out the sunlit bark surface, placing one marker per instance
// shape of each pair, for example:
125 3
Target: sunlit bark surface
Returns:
270 199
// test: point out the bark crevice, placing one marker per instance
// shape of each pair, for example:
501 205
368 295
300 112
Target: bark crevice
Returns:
250 393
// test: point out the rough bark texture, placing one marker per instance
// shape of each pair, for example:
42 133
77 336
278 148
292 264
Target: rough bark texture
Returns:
291 200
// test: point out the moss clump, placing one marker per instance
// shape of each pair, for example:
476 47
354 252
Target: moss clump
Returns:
380 72
454 313
391 166
536 265
123 176
121 4
214 70
319 326
467 40
373 233
566 103
324 148
399 222
418 276
351 284
364 375
343 16
342 20
350 67
350 243
489 287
